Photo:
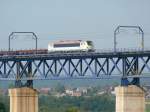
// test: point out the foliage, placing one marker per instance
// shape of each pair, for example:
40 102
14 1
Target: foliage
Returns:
69 104
2 107
4 103
72 109
60 88
148 108
11 85
77 104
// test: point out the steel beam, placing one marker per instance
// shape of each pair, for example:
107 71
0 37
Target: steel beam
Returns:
35 67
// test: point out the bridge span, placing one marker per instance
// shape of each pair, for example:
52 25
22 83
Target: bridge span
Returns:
99 64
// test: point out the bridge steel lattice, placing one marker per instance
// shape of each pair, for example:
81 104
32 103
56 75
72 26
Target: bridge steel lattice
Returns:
75 65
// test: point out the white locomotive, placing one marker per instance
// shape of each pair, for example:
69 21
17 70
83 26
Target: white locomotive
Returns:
70 45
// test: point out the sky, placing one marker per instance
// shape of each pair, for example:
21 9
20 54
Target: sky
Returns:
93 20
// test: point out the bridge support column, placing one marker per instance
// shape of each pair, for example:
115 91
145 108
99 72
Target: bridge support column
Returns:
130 99
23 100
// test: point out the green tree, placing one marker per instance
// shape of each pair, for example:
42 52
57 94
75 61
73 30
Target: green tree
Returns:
44 109
4 103
148 108
60 88
11 85
2 107
72 109
77 104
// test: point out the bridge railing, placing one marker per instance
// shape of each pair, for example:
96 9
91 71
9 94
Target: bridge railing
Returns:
110 50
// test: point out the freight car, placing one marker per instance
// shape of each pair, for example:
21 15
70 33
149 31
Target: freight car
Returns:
24 52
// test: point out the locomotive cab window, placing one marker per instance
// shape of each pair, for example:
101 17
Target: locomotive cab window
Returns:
89 43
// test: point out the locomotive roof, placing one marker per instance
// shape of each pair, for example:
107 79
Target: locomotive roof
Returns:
67 41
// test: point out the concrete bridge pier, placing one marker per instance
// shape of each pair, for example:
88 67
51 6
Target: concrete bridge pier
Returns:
23 99
130 99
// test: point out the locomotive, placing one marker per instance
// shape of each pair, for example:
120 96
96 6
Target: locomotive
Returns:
70 46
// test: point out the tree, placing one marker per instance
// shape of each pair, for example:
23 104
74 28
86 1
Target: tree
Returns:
11 85
60 88
72 109
2 107
44 109
147 108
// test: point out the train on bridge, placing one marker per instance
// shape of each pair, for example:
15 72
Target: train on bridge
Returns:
58 46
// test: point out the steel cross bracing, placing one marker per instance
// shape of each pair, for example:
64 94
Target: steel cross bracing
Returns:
74 65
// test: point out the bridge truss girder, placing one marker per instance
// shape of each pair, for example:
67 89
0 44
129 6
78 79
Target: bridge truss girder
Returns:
58 68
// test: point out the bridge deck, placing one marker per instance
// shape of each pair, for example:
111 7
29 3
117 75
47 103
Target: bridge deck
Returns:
61 65
74 55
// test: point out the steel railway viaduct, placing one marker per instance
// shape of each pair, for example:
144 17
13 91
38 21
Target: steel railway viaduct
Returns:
125 63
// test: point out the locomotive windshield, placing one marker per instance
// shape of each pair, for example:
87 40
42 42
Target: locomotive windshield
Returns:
90 43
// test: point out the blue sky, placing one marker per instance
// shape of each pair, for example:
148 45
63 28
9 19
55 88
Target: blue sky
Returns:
74 19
